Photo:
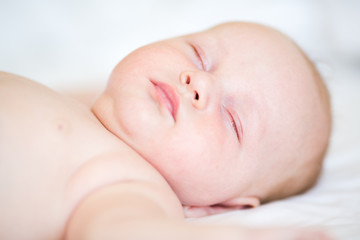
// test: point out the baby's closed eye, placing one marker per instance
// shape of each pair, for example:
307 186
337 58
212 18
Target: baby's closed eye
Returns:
234 122
200 56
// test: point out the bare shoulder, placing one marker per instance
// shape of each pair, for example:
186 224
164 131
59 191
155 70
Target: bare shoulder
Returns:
5 76
17 90
41 145
10 81
116 210
22 98
119 169
68 156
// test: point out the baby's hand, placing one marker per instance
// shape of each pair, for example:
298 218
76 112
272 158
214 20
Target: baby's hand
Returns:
288 234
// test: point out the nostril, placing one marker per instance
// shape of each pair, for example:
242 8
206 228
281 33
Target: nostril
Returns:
187 81
196 97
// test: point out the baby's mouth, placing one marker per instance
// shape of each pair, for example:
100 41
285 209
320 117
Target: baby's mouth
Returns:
167 96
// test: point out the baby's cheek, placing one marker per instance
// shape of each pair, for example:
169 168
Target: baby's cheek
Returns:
203 149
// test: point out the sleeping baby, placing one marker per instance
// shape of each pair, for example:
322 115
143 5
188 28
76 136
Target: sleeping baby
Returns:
224 119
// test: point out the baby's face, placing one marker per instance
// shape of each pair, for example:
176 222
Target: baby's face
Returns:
221 114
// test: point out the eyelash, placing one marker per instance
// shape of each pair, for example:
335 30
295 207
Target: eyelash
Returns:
198 56
233 124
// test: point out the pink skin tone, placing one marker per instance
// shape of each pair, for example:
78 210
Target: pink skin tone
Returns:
217 113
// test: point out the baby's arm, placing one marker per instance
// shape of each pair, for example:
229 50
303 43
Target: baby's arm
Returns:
129 210
139 210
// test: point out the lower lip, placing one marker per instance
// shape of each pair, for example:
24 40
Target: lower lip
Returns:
164 99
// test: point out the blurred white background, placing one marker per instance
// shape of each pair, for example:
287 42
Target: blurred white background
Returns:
75 43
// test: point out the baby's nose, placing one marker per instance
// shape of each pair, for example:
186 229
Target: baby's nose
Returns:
197 86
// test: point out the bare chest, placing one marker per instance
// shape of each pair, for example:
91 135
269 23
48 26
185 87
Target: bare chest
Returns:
53 152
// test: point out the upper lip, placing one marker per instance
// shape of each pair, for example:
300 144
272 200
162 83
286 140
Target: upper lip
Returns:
166 94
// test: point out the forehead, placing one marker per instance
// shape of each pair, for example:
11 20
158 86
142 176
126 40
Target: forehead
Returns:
248 38
253 43
253 56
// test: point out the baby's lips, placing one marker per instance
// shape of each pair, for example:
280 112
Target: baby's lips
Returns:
168 96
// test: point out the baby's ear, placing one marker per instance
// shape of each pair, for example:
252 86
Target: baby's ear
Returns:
229 205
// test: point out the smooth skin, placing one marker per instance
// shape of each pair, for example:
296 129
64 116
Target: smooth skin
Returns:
250 114
66 174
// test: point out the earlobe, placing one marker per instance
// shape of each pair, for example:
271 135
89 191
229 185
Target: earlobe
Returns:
227 206
244 202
